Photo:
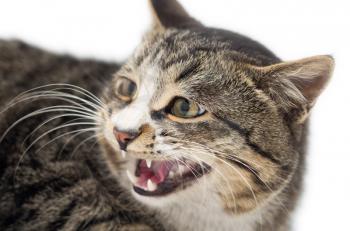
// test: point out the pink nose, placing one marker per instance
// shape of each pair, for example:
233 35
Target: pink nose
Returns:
124 137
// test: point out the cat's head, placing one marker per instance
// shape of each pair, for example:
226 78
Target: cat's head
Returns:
199 111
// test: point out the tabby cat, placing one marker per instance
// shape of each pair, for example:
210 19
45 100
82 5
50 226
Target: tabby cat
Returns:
200 129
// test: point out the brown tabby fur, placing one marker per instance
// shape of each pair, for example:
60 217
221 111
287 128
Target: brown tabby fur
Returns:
254 133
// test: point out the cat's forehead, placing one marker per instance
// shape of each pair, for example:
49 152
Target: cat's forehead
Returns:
189 64
175 45
175 53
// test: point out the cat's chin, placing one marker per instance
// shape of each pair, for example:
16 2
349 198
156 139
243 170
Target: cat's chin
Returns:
160 178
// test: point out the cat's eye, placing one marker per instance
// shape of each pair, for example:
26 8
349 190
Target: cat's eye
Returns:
184 108
125 89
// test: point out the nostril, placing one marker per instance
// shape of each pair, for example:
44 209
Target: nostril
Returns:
124 137
126 140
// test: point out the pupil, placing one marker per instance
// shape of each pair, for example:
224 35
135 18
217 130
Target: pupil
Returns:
184 106
131 88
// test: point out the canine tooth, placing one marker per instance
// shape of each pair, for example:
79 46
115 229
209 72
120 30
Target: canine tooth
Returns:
181 168
151 186
123 154
149 163
132 178
171 174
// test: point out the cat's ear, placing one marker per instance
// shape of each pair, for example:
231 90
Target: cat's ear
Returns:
295 86
170 14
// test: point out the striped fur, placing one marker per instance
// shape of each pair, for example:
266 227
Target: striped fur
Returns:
52 189
253 136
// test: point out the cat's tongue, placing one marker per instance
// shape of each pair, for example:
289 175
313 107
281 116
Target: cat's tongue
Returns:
157 172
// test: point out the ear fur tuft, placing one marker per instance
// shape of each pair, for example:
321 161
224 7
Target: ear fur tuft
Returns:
296 84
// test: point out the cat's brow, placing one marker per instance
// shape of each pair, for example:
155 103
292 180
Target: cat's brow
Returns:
190 70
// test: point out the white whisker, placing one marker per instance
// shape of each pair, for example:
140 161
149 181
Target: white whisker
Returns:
84 141
78 131
46 110
51 119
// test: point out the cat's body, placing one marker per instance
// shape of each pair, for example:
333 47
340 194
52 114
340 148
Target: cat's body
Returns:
243 136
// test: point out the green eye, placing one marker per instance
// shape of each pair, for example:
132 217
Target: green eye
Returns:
125 88
184 108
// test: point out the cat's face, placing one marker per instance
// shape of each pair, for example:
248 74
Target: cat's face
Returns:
187 115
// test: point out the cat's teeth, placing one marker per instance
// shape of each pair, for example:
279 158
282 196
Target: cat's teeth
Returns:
171 174
181 168
131 177
123 154
149 163
151 186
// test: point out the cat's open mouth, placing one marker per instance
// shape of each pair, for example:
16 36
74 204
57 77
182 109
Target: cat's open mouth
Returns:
157 178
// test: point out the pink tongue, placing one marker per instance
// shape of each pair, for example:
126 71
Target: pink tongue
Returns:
157 173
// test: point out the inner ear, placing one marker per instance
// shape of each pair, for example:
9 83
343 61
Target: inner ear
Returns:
169 13
297 84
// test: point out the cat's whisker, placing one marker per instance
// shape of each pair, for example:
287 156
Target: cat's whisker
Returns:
84 92
250 169
243 178
40 97
193 171
47 110
215 150
211 155
237 171
204 194
95 136
221 174
54 118
78 132
27 149
236 159
66 85
74 97
224 178
57 128
79 107
51 94
227 156
69 87
98 138
178 161
201 161
96 130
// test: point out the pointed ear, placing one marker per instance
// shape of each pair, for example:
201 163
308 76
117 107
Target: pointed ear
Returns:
295 86
169 13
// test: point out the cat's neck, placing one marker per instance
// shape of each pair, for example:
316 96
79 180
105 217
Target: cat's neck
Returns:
207 215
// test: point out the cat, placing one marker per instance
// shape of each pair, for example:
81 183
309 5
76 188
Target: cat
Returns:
200 129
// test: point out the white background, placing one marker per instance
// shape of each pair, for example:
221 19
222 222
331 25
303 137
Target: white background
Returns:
293 29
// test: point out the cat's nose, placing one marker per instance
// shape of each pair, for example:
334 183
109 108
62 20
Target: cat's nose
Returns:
124 137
